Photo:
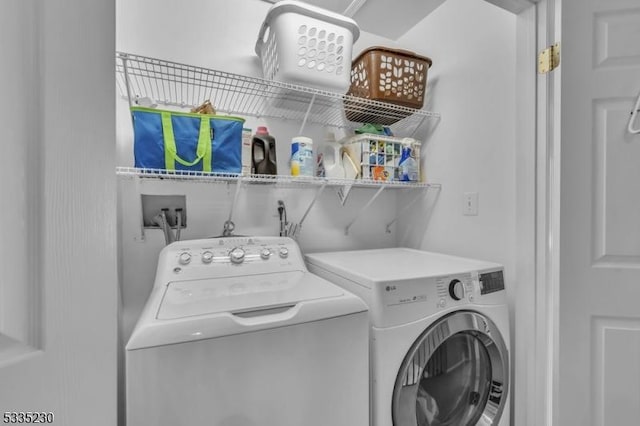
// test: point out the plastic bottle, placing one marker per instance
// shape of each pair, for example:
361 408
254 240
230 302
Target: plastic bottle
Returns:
332 153
263 153
408 165
302 156
320 172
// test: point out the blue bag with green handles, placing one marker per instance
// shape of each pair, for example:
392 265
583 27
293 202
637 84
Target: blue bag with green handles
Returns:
184 141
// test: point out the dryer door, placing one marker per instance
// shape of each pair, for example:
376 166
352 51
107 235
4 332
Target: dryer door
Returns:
456 373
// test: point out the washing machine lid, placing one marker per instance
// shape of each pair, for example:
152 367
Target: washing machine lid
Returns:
190 310
252 293
456 372
367 267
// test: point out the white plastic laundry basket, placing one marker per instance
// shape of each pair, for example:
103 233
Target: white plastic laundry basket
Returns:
307 45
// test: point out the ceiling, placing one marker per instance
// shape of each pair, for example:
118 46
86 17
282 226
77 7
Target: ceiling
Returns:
392 19
383 18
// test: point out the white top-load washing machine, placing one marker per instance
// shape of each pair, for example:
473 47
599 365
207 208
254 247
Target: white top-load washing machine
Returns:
237 332
439 334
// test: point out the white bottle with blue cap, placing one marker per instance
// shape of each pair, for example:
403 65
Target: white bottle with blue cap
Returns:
302 156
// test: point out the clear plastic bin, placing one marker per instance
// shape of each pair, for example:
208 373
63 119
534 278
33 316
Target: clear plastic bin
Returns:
378 156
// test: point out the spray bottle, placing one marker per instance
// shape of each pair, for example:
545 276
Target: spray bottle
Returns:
408 165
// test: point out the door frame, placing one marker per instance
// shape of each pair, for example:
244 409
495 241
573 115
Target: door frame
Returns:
537 219
543 370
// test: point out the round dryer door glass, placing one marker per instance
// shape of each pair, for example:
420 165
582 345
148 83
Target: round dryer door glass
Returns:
455 374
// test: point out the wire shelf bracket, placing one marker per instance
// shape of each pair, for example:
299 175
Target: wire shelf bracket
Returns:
402 212
632 118
229 226
140 175
363 209
295 229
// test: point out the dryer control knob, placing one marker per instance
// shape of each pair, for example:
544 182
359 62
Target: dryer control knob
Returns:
236 255
184 258
207 257
265 254
456 289
284 252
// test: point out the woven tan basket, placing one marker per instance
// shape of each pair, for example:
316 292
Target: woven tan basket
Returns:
394 76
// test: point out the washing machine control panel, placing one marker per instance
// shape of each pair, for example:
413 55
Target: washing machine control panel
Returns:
230 256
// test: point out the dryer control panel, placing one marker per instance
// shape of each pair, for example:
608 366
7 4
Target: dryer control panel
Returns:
454 288
233 256
491 282
472 287
398 302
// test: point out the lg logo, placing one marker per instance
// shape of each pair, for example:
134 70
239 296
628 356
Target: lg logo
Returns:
390 287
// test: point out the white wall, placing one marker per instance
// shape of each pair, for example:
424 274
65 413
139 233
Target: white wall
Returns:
473 147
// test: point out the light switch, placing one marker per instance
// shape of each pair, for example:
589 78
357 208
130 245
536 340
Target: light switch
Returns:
470 207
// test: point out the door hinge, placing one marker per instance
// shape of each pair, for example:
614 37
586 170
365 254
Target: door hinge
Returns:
549 59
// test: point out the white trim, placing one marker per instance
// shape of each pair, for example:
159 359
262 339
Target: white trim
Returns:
524 370
547 224
552 307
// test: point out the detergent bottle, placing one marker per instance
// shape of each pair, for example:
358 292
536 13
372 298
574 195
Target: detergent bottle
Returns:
332 157
263 153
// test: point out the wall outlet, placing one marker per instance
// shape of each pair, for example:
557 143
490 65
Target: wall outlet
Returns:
470 207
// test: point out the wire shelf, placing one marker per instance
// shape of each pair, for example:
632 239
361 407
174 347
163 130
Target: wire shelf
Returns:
280 181
185 86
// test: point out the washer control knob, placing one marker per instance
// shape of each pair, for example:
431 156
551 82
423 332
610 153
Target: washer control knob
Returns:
236 255
184 258
207 257
456 289
265 253
283 252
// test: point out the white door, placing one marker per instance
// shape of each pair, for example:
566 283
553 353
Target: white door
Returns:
58 279
597 369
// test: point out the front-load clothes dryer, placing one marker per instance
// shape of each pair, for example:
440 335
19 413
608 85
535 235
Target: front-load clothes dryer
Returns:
439 329
237 332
